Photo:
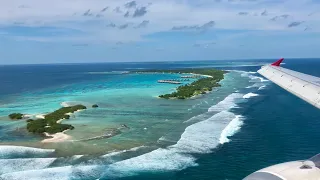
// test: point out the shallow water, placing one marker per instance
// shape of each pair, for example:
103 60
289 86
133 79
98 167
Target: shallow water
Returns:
212 136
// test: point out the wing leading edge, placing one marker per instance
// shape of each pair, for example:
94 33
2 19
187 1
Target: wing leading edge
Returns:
304 86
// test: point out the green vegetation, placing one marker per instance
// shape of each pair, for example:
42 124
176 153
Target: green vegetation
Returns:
49 123
209 72
201 86
16 116
95 106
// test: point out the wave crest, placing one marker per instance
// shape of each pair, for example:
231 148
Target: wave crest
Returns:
8 152
227 103
232 128
249 95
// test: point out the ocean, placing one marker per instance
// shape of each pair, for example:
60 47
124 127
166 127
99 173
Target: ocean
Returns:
246 124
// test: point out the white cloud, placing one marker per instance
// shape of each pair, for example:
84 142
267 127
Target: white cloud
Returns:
162 15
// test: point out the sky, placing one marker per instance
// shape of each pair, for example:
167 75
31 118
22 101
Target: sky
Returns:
84 31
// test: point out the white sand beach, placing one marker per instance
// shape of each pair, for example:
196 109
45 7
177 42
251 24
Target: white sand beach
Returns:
58 137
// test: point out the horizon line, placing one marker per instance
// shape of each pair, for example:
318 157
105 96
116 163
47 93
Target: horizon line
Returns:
164 61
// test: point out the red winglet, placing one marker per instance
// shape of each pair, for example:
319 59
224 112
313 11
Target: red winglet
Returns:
277 63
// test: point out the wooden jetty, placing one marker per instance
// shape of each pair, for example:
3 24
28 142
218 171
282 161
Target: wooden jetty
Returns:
169 81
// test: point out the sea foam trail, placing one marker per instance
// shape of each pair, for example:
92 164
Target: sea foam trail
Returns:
9 152
249 95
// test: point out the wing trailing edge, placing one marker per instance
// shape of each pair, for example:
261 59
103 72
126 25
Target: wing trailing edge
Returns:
304 86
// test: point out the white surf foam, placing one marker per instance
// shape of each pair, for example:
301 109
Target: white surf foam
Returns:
157 160
252 86
204 136
232 128
163 138
73 103
123 151
196 118
262 87
257 79
227 103
14 165
111 154
243 73
61 173
249 75
7 152
40 116
75 157
27 116
65 104
200 137
249 95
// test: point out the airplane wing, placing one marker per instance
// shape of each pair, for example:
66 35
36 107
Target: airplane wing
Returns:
304 86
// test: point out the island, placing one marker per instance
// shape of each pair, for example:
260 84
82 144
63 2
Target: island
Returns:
207 80
51 122
16 116
95 106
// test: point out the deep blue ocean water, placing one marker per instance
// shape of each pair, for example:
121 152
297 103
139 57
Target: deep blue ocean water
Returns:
277 126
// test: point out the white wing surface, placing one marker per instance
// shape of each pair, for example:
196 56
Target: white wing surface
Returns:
304 86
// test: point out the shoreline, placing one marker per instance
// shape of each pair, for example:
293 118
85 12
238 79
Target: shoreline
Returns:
57 137
199 75
141 72
60 136
206 80
210 80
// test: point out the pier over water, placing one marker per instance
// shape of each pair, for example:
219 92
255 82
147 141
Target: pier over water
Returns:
169 81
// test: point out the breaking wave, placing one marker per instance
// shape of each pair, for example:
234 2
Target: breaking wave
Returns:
61 173
201 137
259 82
262 87
8 152
227 103
232 128
204 136
158 160
14 165
257 79
123 151
249 95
